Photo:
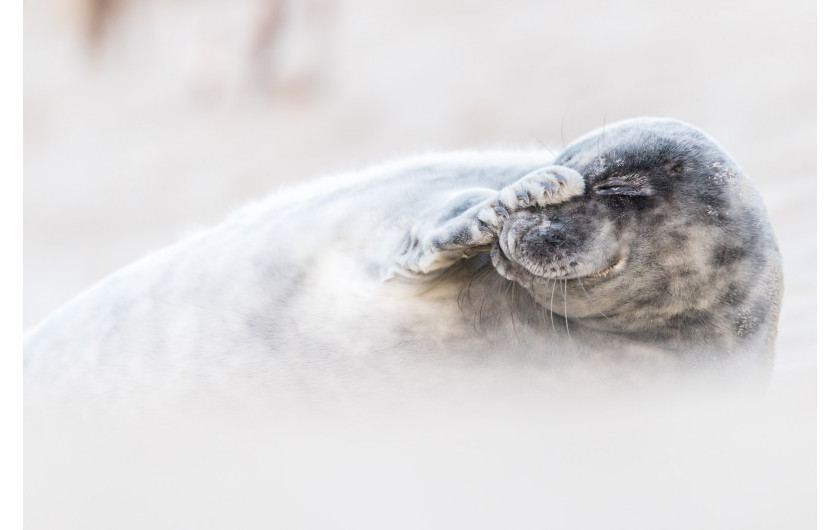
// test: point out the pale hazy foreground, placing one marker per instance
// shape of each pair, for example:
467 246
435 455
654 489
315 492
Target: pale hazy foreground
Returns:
178 111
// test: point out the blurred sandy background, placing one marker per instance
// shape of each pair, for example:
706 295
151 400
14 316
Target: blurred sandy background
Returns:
145 119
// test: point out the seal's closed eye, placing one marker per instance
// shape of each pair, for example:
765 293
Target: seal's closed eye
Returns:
630 185
624 190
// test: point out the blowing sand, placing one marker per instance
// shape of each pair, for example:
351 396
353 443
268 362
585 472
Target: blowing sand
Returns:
179 115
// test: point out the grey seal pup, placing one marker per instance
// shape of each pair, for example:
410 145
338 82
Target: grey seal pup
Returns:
643 244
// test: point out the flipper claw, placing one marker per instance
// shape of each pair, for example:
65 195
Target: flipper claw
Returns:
501 211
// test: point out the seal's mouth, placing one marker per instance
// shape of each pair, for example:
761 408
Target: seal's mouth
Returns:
606 272
511 267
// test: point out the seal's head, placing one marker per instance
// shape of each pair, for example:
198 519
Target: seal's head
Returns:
670 243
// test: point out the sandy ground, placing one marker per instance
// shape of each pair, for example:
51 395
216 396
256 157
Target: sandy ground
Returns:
175 119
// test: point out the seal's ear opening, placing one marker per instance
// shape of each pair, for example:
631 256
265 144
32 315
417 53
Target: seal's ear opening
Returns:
676 167
634 185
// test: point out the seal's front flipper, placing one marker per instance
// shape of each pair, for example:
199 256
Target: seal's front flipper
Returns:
475 217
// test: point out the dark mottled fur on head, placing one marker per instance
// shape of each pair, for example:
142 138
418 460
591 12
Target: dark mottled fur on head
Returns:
670 244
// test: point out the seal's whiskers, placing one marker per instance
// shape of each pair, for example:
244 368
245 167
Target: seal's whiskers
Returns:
565 308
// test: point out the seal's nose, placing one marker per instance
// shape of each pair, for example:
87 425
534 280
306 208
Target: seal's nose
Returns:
551 238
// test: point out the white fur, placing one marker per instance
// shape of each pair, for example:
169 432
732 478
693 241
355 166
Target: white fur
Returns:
295 286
